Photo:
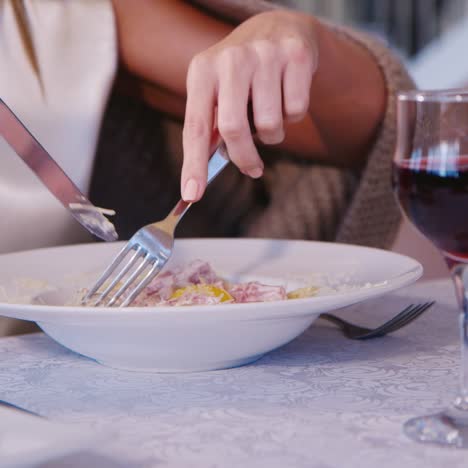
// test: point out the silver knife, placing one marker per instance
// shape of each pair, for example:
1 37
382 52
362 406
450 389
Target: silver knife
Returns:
52 175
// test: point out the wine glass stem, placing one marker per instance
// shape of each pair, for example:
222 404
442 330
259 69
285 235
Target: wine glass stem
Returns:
464 357
457 272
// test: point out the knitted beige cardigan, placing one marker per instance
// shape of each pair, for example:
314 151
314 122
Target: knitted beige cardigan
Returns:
295 199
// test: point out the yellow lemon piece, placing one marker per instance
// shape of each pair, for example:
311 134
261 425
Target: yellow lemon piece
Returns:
206 290
303 292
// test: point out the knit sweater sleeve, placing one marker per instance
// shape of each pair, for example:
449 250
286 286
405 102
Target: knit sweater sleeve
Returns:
373 216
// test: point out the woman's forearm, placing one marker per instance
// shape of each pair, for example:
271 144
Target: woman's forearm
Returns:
348 95
159 38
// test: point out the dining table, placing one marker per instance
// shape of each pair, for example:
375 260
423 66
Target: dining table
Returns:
320 401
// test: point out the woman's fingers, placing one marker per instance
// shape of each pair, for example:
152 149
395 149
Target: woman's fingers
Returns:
276 76
235 71
198 129
267 94
297 79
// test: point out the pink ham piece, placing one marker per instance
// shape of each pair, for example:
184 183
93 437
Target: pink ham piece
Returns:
256 292
161 288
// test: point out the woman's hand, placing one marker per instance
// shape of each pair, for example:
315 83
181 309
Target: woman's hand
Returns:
269 60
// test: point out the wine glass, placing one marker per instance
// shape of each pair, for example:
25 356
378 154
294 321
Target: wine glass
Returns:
430 180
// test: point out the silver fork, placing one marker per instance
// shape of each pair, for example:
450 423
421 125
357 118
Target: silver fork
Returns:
148 251
355 332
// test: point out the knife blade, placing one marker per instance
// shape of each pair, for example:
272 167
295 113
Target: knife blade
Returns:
52 175
18 408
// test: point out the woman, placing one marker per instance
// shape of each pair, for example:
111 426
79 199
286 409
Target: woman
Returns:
322 99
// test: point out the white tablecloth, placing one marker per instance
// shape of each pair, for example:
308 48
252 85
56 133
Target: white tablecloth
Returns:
322 401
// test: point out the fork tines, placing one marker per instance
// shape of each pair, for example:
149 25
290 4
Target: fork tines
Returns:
123 280
406 316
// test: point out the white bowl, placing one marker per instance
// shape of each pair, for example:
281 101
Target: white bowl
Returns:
196 338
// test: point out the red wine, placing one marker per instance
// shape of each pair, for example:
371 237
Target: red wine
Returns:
435 199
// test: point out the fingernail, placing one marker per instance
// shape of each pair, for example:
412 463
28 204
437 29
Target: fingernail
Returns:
190 192
255 173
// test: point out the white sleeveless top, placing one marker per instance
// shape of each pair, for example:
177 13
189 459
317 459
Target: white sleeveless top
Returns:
74 44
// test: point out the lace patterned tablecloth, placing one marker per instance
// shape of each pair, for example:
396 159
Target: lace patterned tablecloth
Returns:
322 401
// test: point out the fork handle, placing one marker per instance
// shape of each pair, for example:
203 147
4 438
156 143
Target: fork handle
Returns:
216 164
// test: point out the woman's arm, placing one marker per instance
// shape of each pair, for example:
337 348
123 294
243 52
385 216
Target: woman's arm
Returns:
160 40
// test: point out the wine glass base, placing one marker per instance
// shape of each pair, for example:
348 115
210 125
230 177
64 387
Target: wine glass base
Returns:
448 428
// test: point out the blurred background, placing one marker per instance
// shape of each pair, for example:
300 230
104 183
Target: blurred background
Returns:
431 38
429 34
